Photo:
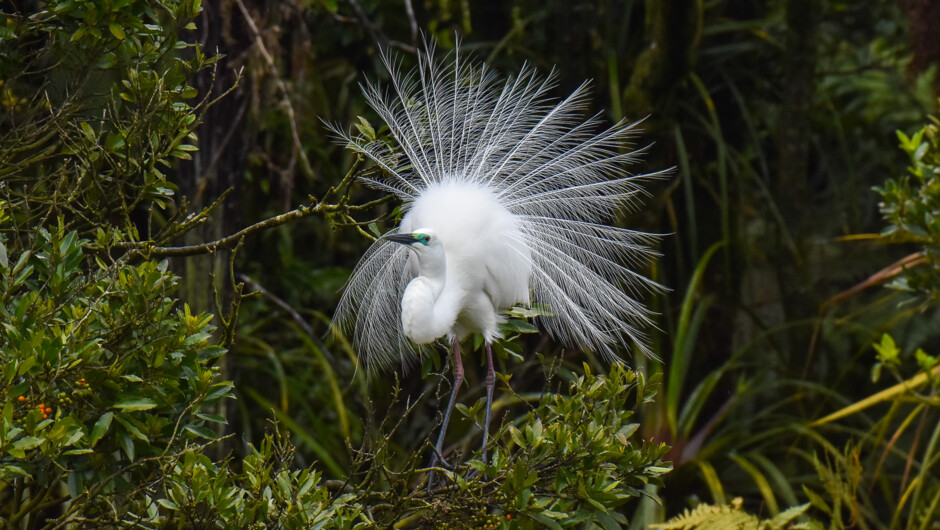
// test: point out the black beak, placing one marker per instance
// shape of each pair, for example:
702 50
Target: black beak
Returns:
404 239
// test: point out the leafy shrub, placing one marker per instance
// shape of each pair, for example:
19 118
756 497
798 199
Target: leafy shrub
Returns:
94 105
266 493
571 462
103 378
911 206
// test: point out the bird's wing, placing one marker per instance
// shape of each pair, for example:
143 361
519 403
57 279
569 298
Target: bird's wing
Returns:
507 265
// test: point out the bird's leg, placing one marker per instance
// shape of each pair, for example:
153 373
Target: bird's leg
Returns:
458 379
490 383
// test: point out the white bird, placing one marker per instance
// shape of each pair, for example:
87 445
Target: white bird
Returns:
504 190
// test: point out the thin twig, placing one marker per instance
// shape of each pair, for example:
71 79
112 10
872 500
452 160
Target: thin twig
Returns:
410 11
202 183
289 107
257 287
375 32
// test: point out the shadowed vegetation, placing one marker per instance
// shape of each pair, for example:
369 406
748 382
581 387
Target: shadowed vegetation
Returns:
176 224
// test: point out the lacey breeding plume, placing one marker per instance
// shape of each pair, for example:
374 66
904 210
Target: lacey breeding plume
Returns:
506 191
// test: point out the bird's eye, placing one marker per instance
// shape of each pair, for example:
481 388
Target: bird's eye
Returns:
427 239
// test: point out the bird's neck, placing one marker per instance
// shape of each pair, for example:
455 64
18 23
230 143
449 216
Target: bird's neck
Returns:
428 307
433 267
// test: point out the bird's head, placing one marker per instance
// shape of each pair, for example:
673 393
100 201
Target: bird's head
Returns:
425 244
423 237
420 240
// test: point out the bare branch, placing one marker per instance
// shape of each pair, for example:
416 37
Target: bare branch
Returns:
144 249
410 10
375 32
288 106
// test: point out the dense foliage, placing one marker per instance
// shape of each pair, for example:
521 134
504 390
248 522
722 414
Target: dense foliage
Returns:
175 224
105 381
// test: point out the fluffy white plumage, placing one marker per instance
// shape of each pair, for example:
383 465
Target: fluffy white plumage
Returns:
513 186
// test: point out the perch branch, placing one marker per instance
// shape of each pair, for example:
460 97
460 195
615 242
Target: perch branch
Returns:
232 240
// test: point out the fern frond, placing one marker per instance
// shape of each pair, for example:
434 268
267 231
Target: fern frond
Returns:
733 517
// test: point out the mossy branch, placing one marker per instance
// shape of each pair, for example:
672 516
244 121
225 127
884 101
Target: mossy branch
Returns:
229 242
148 250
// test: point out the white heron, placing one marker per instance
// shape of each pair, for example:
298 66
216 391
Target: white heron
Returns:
505 191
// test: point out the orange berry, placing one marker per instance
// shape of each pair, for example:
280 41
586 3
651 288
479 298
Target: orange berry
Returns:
508 516
48 410
22 399
45 416
41 406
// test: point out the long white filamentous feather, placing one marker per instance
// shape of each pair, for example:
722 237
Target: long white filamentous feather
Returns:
556 172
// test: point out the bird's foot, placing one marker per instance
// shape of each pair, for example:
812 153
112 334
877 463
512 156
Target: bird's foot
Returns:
438 460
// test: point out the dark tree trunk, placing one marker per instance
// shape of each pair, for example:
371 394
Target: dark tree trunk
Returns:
217 167
791 186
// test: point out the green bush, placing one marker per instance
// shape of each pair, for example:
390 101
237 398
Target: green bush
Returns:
571 462
95 106
267 493
910 204
104 378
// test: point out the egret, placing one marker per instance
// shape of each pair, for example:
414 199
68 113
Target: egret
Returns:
505 192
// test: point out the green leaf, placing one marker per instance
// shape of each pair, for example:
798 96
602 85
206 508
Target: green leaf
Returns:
89 132
516 436
626 432
128 443
168 504
75 484
132 429
71 452
76 436
10 469
515 325
785 517
537 310
537 429
113 142
137 403
545 521
100 428
28 442
816 500
607 522
365 128
215 418
887 351
116 30
201 431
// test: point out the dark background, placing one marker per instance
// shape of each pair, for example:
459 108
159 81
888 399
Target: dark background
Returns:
779 117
